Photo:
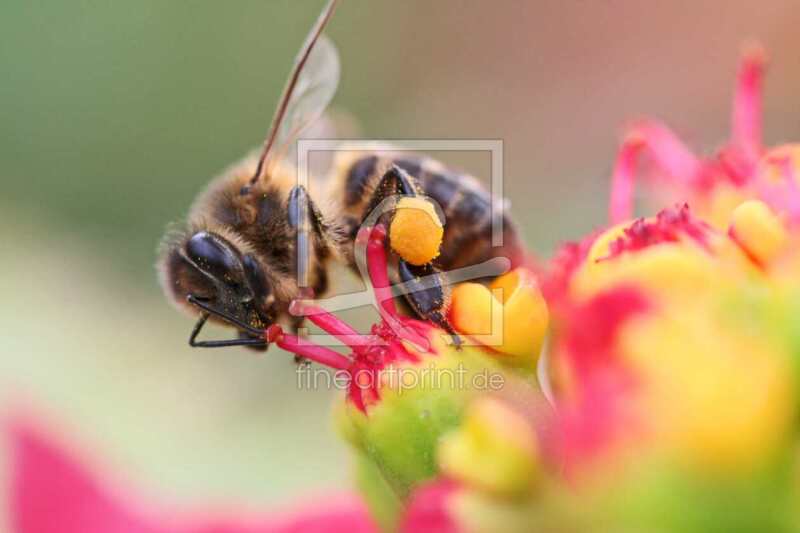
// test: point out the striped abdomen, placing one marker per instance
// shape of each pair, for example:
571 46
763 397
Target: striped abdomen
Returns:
466 204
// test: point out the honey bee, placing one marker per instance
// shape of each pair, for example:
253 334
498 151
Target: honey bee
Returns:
254 233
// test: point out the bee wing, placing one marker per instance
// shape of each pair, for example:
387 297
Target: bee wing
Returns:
315 89
311 86
332 124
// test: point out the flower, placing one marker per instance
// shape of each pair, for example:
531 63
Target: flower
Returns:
673 361
743 169
666 399
646 300
493 469
52 492
409 385
495 449
431 509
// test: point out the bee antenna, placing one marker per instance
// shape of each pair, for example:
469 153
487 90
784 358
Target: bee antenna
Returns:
288 91
192 299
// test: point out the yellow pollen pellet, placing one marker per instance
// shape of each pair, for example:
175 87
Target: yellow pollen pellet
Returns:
416 231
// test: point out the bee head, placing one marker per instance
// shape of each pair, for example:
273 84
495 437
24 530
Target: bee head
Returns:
212 269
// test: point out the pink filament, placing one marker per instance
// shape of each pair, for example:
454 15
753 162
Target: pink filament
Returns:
378 267
621 206
747 112
378 271
309 350
669 153
331 324
382 347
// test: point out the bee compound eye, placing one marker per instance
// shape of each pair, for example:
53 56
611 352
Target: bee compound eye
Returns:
213 255
255 277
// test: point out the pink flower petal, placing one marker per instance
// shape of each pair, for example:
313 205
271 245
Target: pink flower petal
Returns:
428 510
51 492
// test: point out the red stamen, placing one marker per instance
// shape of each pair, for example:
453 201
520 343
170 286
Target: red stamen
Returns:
378 270
377 264
370 353
330 323
307 349
621 205
669 153
747 112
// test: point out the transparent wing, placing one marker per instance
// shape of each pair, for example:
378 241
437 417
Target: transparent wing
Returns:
332 124
311 86
315 89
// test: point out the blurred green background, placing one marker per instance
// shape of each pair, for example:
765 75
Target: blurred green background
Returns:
113 115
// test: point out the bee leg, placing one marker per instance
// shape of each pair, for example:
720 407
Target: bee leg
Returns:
394 181
425 292
305 218
241 341
297 323
424 288
243 335
254 339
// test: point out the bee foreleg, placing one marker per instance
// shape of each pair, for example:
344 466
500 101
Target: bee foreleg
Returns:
305 218
243 335
425 292
296 326
194 343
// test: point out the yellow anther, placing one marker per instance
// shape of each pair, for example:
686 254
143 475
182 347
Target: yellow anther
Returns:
758 230
510 316
495 449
